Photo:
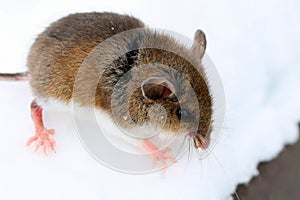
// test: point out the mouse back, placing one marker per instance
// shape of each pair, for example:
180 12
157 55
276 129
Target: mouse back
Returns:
59 51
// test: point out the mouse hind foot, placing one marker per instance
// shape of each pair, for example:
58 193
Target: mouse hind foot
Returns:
41 139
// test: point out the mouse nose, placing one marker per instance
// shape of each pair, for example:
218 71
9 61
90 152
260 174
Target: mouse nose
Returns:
200 140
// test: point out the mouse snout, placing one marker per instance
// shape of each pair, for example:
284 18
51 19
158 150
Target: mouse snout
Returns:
200 140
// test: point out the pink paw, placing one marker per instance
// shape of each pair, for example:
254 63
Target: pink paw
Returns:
158 155
162 156
42 140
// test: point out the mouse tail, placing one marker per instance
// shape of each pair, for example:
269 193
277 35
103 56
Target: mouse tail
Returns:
23 76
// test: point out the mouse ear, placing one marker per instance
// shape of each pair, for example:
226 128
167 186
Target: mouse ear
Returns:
156 88
199 44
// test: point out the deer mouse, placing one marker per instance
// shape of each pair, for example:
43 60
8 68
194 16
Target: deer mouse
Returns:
59 51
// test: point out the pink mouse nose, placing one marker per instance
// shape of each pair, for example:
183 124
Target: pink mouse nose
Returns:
200 140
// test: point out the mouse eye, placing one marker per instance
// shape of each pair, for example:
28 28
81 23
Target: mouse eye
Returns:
182 113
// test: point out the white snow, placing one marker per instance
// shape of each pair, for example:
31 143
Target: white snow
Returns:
254 45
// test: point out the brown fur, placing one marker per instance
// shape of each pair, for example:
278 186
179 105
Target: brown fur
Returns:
58 52
70 44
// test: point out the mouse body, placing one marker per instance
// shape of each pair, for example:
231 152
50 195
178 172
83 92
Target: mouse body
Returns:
154 76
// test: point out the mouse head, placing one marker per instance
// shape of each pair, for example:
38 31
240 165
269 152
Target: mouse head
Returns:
172 92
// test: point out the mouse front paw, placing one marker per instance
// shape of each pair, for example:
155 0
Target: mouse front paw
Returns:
158 155
43 140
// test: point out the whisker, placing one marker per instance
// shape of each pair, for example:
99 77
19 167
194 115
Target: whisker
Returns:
198 154
189 152
218 141
222 167
186 137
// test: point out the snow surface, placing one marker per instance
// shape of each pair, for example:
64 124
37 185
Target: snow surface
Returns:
254 45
